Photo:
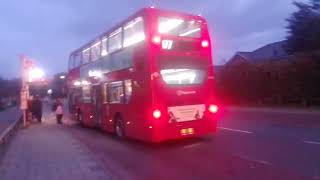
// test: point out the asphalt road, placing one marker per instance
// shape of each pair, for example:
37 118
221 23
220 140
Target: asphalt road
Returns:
250 144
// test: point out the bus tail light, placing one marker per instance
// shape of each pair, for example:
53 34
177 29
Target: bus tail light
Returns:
205 43
156 39
213 108
156 114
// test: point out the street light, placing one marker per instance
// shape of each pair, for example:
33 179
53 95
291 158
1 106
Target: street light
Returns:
62 77
77 83
49 91
36 74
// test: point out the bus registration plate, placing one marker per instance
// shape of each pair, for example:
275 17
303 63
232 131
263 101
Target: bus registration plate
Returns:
186 113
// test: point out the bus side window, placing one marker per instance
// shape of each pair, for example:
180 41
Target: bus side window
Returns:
86 56
95 51
76 60
115 40
128 90
105 93
86 94
71 60
116 94
133 32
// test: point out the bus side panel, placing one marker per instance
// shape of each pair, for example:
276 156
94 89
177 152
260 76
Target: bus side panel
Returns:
87 114
137 111
107 123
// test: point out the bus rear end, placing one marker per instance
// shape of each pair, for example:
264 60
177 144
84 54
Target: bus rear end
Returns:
183 102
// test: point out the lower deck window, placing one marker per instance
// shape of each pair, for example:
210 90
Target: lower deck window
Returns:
128 90
116 93
86 94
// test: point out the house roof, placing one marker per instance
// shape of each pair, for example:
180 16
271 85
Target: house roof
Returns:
245 55
268 52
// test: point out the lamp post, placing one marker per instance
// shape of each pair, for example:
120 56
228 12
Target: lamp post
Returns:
24 94
29 74
35 74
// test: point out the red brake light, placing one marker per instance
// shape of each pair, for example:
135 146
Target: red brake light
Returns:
205 43
156 114
213 108
156 39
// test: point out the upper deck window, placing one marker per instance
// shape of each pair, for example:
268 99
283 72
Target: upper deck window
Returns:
115 40
133 32
86 55
104 50
71 61
77 60
95 51
179 27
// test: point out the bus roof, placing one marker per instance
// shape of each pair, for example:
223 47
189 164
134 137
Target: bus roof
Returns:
143 11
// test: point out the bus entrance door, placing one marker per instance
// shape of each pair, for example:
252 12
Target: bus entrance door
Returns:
97 103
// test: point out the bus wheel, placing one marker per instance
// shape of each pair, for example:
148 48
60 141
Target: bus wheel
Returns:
119 128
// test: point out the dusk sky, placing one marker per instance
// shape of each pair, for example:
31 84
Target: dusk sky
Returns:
48 30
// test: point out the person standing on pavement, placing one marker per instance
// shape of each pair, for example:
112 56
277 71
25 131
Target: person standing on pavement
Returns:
30 109
37 108
59 111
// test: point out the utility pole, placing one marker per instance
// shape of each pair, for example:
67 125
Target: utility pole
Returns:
24 93
29 74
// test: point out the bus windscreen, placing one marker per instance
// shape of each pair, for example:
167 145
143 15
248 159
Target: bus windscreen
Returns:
179 27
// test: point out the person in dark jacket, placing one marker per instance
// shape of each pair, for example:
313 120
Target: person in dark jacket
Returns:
30 109
37 108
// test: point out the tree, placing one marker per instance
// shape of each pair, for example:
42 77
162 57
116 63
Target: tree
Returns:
304 28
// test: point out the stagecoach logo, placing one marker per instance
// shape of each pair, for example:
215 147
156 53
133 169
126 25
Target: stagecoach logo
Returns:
180 92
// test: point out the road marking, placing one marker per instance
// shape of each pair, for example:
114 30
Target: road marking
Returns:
191 145
312 142
235 130
255 160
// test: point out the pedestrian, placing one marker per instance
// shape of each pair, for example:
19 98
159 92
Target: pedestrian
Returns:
37 108
30 109
59 111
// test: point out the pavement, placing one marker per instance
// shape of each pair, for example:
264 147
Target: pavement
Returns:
48 151
249 145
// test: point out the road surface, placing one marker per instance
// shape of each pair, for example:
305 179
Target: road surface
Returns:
250 144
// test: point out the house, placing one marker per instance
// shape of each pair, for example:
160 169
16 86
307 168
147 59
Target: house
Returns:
249 76
269 75
271 60
271 52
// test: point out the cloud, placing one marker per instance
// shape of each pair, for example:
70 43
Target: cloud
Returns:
48 30
246 25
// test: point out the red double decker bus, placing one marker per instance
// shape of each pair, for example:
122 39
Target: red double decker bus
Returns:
148 78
